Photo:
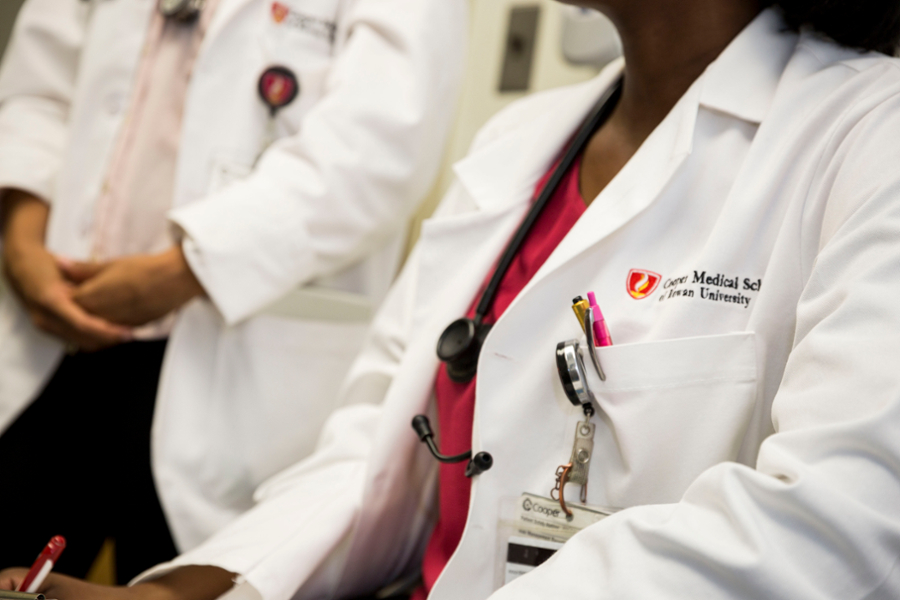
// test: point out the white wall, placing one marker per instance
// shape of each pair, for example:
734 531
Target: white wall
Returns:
480 96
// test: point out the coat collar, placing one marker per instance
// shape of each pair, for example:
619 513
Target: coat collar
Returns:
743 79
505 170
740 82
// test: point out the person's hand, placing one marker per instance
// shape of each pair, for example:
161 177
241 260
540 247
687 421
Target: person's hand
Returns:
184 583
61 587
34 277
134 290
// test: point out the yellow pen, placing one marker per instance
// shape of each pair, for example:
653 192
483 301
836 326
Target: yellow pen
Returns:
580 306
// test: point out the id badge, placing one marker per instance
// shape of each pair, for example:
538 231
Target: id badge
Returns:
532 528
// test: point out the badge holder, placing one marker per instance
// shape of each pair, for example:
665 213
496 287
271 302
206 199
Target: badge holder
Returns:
574 378
531 529
277 87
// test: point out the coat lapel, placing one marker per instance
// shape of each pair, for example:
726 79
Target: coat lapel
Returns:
226 11
741 82
494 186
635 187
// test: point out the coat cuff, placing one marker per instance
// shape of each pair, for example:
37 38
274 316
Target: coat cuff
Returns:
239 253
28 169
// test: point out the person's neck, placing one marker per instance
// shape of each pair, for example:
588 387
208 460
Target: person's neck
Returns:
667 45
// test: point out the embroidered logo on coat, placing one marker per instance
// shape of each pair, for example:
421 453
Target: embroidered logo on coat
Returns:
283 14
279 12
641 283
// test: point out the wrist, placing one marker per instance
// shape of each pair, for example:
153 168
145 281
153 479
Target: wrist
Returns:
192 582
23 218
151 590
178 271
19 250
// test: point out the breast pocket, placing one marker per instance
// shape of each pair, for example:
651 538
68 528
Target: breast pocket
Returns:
671 410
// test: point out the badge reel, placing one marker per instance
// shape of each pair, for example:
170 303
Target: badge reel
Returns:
277 87
181 10
574 377
534 528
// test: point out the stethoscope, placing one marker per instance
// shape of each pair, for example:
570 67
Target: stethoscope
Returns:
460 344
181 10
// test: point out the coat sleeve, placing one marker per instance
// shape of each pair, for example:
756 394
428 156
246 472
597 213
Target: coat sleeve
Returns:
349 180
294 537
37 83
819 515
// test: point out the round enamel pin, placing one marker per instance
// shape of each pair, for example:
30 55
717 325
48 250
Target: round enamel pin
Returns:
278 87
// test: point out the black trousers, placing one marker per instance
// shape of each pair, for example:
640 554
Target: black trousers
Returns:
77 463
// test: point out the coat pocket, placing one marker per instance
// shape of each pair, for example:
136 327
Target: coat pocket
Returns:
669 411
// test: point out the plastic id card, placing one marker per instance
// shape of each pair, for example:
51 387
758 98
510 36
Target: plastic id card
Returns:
532 528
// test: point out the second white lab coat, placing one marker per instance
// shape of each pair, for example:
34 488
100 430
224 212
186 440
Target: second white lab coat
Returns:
246 384
749 426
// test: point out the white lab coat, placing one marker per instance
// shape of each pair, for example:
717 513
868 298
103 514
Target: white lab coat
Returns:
754 448
245 388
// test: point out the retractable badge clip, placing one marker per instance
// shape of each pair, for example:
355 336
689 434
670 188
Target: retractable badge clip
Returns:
277 87
574 378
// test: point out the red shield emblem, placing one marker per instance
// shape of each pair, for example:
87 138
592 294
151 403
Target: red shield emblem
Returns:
279 12
641 283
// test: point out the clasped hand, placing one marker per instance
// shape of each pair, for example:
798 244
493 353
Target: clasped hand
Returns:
88 305
133 290
192 582
95 305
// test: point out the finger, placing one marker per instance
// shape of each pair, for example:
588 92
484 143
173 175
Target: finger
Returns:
80 326
50 323
77 271
90 325
11 578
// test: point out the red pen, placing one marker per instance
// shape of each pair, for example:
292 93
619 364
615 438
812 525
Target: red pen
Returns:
43 565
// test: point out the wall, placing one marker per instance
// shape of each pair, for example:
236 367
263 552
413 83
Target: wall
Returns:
8 11
480 96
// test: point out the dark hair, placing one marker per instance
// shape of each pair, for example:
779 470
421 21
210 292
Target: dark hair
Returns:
865 24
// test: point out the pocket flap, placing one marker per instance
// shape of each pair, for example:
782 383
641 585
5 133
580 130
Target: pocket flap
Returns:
679 362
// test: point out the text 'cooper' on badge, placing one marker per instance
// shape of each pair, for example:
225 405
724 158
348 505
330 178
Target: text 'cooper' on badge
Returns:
278 87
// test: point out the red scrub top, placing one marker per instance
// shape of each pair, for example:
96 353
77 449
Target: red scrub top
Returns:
456 401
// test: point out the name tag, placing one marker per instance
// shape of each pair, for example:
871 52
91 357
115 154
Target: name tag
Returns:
532 528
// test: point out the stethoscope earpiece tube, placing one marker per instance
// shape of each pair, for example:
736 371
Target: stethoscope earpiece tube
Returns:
478 464
422 427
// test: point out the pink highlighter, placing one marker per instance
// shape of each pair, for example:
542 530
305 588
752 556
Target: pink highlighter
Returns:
601 331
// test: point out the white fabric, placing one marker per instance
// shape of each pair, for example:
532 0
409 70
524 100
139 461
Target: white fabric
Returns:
780 165
243 394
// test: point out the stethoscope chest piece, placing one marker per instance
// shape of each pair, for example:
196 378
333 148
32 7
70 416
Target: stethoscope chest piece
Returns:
459 347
